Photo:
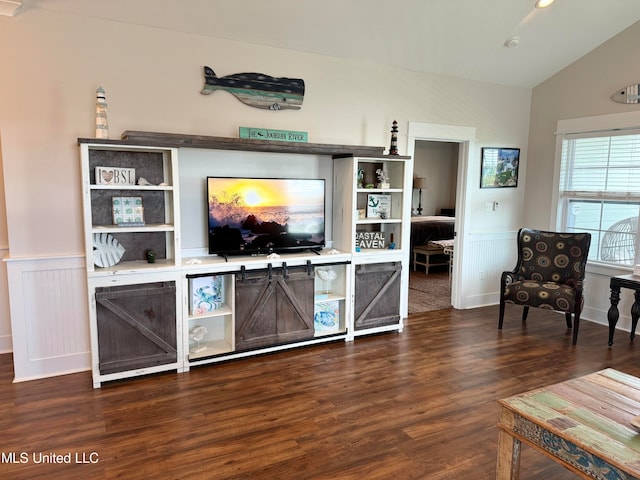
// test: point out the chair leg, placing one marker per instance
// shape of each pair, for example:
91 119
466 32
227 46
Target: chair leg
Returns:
525 312
501 316
576 325
567 317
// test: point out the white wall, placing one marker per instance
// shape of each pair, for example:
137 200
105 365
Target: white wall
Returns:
438 163
153 78
53 63
580 90
5 317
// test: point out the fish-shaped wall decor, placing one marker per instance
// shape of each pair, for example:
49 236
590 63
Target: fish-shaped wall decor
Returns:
630 94
257 89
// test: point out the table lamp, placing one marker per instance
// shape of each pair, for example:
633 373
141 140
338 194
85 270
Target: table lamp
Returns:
419 183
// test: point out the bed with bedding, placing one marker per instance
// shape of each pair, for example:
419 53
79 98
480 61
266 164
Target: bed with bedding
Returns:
427 228
431 228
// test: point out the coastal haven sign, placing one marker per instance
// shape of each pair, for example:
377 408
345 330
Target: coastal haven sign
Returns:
273 135
370 240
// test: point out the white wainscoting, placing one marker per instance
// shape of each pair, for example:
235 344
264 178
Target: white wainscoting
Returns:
486 256
489 254
49 316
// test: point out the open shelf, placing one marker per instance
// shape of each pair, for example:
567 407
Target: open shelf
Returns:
209 348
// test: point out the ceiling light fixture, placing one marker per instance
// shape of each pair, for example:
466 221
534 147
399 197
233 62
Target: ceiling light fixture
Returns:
543 3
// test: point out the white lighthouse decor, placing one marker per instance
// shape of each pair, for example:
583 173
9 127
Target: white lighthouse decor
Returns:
102 125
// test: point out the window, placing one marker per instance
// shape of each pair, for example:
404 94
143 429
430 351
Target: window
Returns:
600 193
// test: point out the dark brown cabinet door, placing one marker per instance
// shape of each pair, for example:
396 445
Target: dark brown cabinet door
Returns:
377 295
255 308
136 326
274 309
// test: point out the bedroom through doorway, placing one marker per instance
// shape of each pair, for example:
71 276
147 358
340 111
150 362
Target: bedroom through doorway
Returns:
432 224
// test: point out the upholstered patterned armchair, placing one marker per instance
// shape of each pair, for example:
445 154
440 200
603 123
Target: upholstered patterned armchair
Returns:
549 274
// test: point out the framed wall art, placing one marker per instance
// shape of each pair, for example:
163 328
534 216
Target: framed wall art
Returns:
499 167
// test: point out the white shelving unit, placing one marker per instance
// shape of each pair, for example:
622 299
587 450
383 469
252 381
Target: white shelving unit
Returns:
379 246
160 231
134 305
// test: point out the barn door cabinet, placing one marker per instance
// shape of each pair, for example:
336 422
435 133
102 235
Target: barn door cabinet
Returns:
249 306
274 306
134 325
377 295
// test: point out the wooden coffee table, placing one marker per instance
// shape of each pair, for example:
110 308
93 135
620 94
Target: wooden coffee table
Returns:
583 424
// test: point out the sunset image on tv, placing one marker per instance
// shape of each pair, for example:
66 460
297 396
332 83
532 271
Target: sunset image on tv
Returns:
262 215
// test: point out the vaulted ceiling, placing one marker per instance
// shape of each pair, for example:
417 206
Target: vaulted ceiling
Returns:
460 38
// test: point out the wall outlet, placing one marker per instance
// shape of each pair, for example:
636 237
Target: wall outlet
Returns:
488 207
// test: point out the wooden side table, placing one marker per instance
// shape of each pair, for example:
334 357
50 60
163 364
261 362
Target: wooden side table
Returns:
583 424
623 281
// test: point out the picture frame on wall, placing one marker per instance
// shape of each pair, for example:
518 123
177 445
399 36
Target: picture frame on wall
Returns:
499 167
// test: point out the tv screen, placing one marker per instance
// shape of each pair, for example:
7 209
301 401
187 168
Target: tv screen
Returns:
264 215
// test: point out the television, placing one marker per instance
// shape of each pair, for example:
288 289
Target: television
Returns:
255 216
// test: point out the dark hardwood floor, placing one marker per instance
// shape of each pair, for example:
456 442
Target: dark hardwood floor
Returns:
416 405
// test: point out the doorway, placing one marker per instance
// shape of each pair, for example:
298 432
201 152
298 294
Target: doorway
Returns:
463 137
432 220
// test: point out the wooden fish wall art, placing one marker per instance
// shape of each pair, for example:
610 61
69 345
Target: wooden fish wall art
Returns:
630 94
257 90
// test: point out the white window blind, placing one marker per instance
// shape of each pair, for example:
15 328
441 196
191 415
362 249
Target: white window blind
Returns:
600 193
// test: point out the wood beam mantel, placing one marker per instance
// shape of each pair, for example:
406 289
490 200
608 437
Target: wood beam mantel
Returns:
130 137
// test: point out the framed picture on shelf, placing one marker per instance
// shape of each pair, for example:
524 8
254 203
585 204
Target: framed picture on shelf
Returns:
499 167
127 211
207 294
378 205
326 317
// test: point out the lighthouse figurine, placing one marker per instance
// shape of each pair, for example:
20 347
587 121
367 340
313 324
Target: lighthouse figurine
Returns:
393 149
102 125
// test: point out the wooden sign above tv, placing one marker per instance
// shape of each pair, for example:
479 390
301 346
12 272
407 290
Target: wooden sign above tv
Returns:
267 134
